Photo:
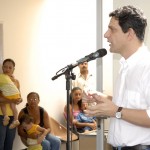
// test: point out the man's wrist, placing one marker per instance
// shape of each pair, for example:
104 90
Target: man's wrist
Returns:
119 113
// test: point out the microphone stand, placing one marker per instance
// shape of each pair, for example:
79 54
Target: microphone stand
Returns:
69 77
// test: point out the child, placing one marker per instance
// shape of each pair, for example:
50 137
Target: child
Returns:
75 109
81 117
33 130
10 91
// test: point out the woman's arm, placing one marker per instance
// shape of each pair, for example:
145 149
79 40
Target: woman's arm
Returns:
77 123
92 125
70 112
4 100
46 121
17 83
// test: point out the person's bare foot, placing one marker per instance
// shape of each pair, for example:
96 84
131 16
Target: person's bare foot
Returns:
14 124
6 120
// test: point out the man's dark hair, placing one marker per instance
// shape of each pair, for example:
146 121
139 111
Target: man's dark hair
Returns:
131 17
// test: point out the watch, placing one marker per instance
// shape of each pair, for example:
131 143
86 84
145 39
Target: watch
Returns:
118 113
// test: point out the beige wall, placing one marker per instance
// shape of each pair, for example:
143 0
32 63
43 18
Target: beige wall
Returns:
43 36
17 18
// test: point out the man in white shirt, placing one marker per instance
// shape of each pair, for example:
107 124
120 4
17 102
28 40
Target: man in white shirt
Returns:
129 108
84 79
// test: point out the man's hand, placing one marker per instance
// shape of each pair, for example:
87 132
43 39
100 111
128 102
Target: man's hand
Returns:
94 96
87 97
105 108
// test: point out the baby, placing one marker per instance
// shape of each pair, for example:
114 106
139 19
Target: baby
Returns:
10 91
33 130
81 117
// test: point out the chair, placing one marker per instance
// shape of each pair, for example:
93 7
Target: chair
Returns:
60 131
72 127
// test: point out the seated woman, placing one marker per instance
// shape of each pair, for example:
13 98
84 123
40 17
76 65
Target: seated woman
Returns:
41 118
75 109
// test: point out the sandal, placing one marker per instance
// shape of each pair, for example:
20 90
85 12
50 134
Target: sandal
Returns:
6 120
14 124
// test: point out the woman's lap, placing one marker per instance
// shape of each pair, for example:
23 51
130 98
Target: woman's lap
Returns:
51 142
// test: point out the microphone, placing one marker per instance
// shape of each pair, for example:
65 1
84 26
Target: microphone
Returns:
99 53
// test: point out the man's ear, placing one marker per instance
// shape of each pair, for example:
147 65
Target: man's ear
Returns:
131 33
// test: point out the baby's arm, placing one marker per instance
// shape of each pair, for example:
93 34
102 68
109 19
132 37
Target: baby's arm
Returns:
44 132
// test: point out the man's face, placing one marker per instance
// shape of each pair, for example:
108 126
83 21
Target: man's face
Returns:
83 66
116 37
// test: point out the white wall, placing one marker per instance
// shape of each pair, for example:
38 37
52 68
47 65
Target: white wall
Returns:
108 60
43 36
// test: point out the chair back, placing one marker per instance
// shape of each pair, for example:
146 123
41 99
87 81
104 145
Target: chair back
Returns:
60 131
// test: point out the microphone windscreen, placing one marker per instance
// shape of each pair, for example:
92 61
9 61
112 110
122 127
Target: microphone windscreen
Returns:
102 52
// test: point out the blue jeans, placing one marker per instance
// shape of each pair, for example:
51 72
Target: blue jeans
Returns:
6 135
51 142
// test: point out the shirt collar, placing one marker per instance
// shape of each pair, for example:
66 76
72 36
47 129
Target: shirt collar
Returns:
80 75
134 58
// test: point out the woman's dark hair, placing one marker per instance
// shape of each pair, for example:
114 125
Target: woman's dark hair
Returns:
9 60
31 94
72 91
131 17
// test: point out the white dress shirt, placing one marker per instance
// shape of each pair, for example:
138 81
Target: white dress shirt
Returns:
88 84
132 90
